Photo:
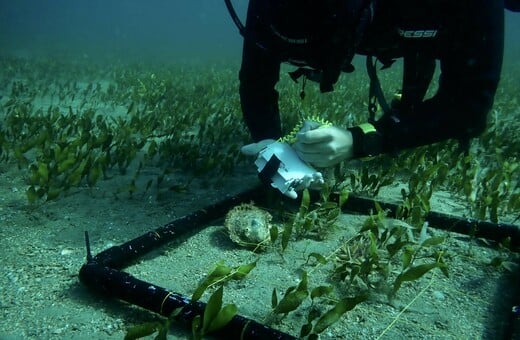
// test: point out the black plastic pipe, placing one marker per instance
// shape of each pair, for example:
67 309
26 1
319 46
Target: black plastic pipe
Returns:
122 255
120 285
101 273
468 226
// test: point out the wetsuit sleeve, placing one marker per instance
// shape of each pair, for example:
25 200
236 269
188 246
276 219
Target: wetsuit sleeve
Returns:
470 71
259 74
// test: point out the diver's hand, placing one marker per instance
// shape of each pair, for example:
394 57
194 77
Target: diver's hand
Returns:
254 148
324 146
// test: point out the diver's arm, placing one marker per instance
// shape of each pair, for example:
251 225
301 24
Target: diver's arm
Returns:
258 97
470 74
259 74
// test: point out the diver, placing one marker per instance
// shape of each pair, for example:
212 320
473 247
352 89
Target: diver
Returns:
465 38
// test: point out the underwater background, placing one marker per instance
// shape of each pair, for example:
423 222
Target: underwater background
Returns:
120 116
156 29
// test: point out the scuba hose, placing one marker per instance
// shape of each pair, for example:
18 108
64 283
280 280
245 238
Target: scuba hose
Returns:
375 94
235 17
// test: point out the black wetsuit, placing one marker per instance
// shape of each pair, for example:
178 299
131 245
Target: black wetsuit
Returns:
466 36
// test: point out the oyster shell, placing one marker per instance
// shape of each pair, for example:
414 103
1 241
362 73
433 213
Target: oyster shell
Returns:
249 226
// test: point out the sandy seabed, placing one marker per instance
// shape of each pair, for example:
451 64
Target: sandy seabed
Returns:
42 248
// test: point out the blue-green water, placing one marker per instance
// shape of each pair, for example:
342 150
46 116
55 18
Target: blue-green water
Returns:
171 68
157 29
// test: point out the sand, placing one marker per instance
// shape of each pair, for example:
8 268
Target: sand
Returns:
42 249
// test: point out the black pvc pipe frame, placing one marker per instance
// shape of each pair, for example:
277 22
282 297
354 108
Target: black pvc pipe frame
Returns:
102 273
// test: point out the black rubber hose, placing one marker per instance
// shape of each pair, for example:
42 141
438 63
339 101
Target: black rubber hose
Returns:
101 272
375 87
122 255
468 226
234 17
120 285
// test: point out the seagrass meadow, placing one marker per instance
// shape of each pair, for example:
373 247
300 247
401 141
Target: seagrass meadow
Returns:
119 149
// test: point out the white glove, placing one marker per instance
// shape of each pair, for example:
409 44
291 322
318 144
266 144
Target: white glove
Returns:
254 148
291 173
323 146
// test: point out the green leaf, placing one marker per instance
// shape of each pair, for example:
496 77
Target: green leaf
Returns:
152 149
273 233
303 281
380 211
163 331
93 175
66 165
196 329
305 330
320 258
433 241
414 273
334 314
53 193
243 270
328 205
43 172
343 197
32 196
393 248
290 302
320 291
313 314
496 261
416 214
286 235
306 199
274 299
140 331
333 215
220 271
224 316
75 176
373 245
212 308
407 256
293 297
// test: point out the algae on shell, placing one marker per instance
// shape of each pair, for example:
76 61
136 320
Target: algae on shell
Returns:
249 225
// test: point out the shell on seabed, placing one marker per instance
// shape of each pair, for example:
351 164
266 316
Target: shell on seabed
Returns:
249 226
